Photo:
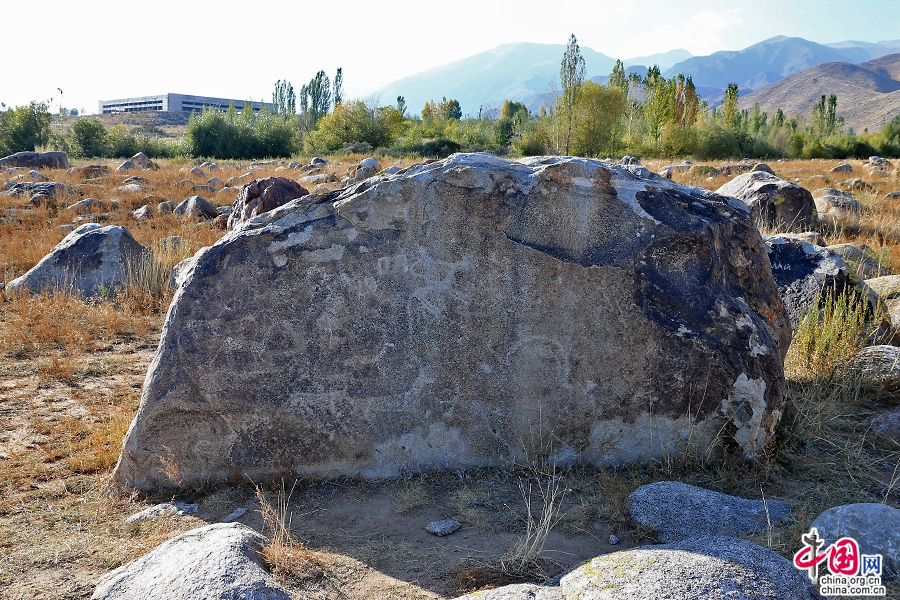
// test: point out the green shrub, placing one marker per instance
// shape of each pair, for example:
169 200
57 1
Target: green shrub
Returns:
87 138
24 128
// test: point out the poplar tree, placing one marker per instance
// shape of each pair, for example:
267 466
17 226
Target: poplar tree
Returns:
571 76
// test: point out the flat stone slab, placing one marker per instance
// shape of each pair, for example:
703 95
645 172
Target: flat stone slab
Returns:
679 511
163 510
442 528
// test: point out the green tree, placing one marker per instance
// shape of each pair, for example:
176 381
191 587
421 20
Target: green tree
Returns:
315 98
87 138
571 76
729 105
450 110
598 126
338 87
284 99
659 104
824 117
401 105
24 128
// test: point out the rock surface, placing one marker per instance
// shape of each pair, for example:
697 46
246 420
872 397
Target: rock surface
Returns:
36 160
195 207
442 528
220 561
876 527
163 510
678 511
88 260
262 195
803 272
442 316
775 203
696 569
862 259
836 206
879 366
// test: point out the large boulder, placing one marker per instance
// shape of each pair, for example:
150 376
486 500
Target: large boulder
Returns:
678 511
89 260
775 203
36 160
804 272
875 527
217 561
696 569
262 195
467 312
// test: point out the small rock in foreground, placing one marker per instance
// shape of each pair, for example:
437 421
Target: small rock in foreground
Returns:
442 528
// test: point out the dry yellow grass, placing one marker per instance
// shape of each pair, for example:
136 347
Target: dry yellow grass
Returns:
70 379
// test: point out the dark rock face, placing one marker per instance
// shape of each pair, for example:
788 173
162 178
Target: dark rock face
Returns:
804 272
89 259
467 312
36 160
775 203
44 188
262 195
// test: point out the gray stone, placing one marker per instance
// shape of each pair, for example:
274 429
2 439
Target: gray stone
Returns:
875 527
197 171
166 207
88 205
887 424
131 188
704 568
143 213
763 167
442 528
678 511
316 179
234 515
892 195
613 540
220 561
887 287
861 258
44 188
810 237
857 184
361 173
36 160
135 179
36 176
181 271
204 188
126 166
239 179
369 163
88 260
842 168
141 160
391 170
836 206
215 182
518 591
184 183
629 160
879 366
318 161
195 207
804 272
437 317
775 203
166 509
90 171
261 196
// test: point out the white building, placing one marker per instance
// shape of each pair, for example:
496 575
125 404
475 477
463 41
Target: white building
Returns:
175 102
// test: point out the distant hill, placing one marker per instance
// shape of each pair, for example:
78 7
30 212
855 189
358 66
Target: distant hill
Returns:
519 72
769 61
522 72
868 93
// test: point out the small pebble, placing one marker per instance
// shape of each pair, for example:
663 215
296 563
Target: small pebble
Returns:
235 515
442 528
613 540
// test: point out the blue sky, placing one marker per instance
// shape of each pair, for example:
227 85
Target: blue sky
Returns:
103 49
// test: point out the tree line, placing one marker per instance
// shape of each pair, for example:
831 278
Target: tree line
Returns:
648 116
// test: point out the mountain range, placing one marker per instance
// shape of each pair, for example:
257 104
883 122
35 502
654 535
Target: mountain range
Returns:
868 93
525 72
